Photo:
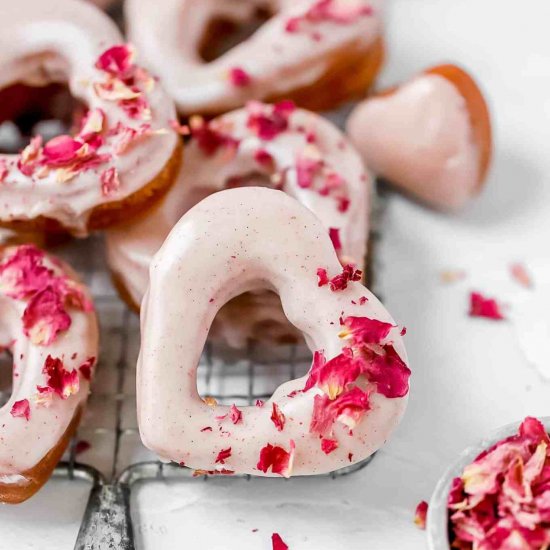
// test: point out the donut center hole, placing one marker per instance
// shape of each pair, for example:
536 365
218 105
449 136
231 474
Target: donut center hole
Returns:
250 179
222 33
27 111
6 377
266 351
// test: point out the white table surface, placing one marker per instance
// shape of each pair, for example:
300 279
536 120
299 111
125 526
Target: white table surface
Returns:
469 375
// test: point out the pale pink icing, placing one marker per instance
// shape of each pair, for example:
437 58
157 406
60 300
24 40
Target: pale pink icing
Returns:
23 444
277 61
420 138
231 242
131 247
61 40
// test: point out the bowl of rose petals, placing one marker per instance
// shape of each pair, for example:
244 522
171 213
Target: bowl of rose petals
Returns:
497 494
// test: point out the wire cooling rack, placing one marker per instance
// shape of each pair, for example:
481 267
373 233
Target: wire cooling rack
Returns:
107 451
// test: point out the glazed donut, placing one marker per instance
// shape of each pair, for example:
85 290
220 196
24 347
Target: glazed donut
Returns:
430 137
124 154
340 413
49 326
293 149
318 53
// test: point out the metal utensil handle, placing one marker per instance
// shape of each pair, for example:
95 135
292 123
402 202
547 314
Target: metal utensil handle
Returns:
107 524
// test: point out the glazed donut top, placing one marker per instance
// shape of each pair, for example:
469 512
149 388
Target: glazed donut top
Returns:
124 141
291 149
289 51
49 326
420 137
244 239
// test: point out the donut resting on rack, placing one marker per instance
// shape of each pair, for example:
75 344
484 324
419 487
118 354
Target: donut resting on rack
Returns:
276 145
340 413
318 53
49 326
123 154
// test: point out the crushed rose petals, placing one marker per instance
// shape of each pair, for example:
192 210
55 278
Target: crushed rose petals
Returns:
277 459
59 381
362 330
239 77
452 275
264 158
82 446
181 129
484 307
277 542
110 182
502 499
21 409
277 417
420 514
3 170
235 414
210 138
210 401
339 282
334 11
45 317
117 60
206 429
520 274
260 403
385 368
334 234
328 445
268 121
223 455
220 472
86 368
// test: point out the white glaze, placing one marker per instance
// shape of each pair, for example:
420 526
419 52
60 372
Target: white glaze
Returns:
278 62
130 247
421 139
23 444
60 40
234 241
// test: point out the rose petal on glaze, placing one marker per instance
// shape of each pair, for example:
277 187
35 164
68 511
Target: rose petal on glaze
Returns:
278 459
21 409
484 307
277 542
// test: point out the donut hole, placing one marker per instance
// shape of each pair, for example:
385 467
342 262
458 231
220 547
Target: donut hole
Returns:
26 111
6 377
249 179
270 351
222 33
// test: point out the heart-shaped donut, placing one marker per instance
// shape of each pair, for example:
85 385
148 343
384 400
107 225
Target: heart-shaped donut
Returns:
340 413
49 326
277 145
124 153
316 52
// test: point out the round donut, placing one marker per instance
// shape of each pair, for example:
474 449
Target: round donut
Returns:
318 53
275 145
430 137
124 153
49 326
340 413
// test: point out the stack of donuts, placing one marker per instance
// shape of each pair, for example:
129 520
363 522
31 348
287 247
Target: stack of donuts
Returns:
222 194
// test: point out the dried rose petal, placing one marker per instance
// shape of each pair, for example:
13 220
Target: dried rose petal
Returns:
328 445
348 408
45 317
349 273
259 403
420 514
61 151
484 307
277 417
86 368
82 446
268 121
117 60
362 330
278 459
277 542
239 77
334 234
210 139
333 376
29 157
264 158
21 409
60 381
110 182
309 163
322 277
235 414
521 275
223 455
388 371
3 170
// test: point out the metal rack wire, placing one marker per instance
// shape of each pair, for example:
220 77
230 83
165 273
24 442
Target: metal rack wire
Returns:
116 460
